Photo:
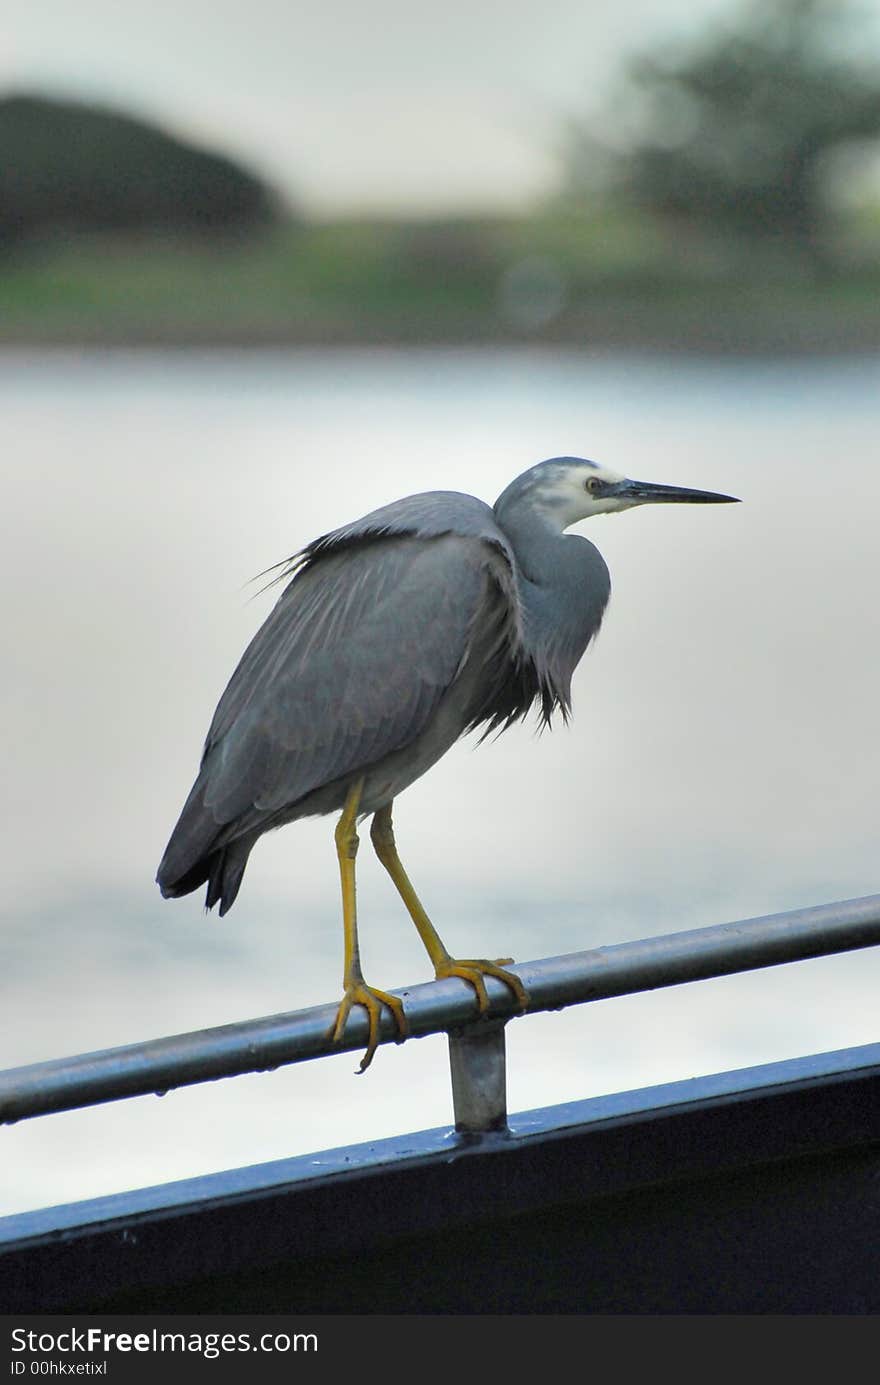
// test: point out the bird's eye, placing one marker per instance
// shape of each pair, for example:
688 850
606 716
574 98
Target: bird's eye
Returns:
594 485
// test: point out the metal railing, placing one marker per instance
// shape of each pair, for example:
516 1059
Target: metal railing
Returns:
477 1051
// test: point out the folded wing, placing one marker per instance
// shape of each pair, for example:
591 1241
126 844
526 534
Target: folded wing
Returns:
349 666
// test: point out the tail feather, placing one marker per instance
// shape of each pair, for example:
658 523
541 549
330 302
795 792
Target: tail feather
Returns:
227 872
193 856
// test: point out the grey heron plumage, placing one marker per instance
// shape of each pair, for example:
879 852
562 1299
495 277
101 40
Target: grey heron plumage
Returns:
394 636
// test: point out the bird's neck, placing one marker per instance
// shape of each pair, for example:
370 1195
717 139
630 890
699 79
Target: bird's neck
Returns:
563 588
537 540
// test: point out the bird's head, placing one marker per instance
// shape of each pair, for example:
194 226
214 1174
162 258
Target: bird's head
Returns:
565 490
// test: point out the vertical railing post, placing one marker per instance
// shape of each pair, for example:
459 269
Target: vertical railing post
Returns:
478 1067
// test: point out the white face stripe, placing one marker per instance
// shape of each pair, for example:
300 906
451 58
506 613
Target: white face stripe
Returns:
562 497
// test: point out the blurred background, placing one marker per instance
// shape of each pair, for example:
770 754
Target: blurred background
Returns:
670 174
265 267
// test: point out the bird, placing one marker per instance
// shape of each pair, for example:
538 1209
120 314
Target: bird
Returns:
393 636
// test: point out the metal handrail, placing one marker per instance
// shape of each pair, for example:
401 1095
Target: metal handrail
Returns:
449 1006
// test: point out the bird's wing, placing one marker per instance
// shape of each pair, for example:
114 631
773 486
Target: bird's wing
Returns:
352 661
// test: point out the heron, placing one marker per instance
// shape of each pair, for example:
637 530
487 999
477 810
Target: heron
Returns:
394 636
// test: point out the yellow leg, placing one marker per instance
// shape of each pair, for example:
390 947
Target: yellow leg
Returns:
471 969
357 992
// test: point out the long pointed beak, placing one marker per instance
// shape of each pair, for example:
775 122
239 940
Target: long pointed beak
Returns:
647 493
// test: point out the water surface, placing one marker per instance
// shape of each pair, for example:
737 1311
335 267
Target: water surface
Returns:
722 761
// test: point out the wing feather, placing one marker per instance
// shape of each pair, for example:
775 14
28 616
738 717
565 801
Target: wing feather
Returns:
376 623
348 667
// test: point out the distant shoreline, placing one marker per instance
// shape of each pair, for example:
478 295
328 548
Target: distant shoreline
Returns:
813 341
609 284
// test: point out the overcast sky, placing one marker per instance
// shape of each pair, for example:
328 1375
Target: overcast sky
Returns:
349 104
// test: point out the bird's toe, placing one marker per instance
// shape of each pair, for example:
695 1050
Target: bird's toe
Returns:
473 969
359 993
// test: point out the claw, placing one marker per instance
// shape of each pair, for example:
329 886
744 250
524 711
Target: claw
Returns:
359 993
473 970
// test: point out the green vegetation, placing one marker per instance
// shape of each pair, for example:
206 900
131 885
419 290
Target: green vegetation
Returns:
612 277
71 167
752 130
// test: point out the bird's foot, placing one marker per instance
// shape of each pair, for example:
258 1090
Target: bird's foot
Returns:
473 970
357 992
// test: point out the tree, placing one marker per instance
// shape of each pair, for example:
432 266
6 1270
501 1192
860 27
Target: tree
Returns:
738 132
67 166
